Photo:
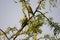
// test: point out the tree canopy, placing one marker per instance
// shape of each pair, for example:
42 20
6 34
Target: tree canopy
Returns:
32 22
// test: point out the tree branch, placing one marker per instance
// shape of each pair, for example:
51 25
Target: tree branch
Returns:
38 6
44 15
48 19
4 34
27 22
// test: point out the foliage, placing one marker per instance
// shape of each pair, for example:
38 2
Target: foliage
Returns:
33 22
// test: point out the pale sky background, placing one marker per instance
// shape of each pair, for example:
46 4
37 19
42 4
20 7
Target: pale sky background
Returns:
10 14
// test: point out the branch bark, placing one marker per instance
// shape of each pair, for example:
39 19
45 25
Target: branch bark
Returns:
4 34
45 17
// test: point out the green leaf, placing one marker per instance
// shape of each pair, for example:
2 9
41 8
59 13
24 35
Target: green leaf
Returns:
21 0
39 30
1 33
46 36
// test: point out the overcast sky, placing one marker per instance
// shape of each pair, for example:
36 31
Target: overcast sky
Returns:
10 13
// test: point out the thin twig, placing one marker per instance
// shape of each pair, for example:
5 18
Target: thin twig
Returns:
38 6
45 16
4 34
